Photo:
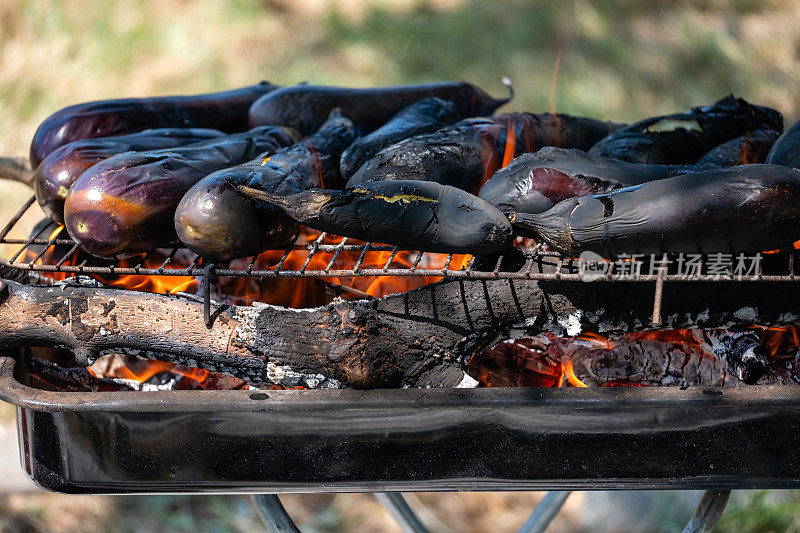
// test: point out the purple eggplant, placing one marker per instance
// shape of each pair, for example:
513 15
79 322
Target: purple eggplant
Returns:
425 116
125 204
217 222
683 138
226 111
63 166
306 107
748 208
786 150
414 215
464 154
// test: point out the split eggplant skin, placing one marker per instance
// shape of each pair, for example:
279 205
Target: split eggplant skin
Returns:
425 116
226 111
533 183
125 204
218 223
63 166
414 215
306 107
684 137
786 150
459 155
749 208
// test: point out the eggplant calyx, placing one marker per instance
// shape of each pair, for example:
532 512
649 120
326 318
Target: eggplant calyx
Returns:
551 229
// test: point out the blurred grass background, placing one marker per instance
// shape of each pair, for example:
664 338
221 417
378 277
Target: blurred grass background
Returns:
620 60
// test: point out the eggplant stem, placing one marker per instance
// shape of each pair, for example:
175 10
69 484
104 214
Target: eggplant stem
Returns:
265 196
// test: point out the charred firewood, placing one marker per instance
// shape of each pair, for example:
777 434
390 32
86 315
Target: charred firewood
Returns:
126 204
414 215
59 170
750 208
553 362
462 154
744 353
306 107
533 183
217 222
684 137
422 117
786 150
421 338
45 375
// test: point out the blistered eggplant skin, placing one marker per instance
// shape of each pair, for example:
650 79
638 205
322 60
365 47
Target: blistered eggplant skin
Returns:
786 150
748 208
459 155
63 166
414 215
683 138
306 107
425 116
746 149
226 111
533 183
218 223
126 203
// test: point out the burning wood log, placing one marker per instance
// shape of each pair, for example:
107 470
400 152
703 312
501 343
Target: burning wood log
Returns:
419 338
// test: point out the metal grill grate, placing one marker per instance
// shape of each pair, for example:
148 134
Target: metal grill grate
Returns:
538 264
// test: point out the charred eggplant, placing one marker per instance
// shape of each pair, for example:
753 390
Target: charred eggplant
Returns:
684 137
533 183
226 111
217 222
746 149
749 208
786 150
305 107
63 166
425 116
415 215
463 154
125 204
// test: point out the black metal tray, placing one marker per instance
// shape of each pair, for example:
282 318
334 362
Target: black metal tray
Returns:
385 440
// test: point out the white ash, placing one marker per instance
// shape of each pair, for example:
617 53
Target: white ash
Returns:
747 314
284 375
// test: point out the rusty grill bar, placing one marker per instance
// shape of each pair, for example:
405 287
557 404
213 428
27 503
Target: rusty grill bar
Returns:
540 265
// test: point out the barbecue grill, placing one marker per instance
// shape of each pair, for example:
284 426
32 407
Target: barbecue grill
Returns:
458 439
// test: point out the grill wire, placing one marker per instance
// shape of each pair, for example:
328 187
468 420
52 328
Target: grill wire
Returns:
539 264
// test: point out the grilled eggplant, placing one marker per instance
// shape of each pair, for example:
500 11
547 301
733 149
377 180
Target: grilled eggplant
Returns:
218 223
126 203
425 116
463 154
786 150
746 149
749 208
684 137
226 111
305 107
415 215
63 166
533 183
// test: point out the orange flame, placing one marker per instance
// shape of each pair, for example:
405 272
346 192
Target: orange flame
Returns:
569 372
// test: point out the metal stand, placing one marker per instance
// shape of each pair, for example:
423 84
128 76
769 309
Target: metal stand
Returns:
271 511
277 520
708 511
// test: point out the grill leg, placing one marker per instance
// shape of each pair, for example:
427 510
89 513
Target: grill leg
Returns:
708 511
396 505
273 514
544 513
